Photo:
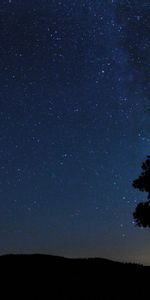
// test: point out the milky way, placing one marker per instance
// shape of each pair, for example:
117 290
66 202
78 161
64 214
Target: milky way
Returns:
74 126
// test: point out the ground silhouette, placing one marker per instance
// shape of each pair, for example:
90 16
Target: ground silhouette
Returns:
142 212
51 277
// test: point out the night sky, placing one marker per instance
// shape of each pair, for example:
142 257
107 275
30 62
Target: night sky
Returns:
74 126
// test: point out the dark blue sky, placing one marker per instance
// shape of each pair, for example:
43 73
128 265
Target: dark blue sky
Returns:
74 126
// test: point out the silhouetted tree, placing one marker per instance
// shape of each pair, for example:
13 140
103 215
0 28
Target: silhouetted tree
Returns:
142 214
142 211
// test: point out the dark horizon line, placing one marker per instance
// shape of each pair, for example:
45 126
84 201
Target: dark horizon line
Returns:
74 258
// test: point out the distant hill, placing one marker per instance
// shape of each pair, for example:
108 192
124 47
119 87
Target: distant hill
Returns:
64 278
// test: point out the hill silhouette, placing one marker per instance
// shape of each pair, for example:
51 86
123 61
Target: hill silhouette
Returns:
53 277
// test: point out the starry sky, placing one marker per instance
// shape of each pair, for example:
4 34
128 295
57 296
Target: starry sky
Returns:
74 126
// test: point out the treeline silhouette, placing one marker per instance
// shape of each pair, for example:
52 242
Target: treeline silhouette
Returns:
51 277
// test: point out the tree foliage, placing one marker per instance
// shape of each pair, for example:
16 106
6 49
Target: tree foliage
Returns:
142 212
